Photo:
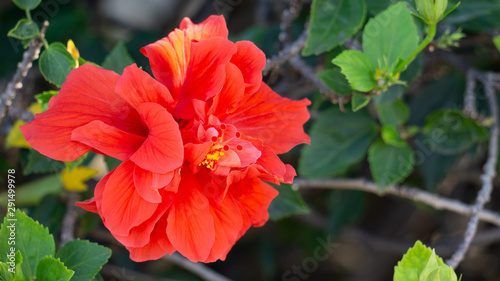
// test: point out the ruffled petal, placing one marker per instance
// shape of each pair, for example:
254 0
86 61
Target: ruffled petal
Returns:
190 226
253 197
211 27
108 140
163 151
87 95
158 245
232 92
169 58
137 87
205 74
122 207
227 223
250 60
140 235
275 120
147 183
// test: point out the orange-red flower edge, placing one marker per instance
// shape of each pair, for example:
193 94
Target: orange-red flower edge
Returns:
198 143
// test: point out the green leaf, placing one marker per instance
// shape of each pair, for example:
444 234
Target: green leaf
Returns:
393 114
359 101
44 98
287 203
332 23
56 63
335 80
84 258
50 269
118 59
413 263
111 162
32 192
389 164
358 69
391 136
5 274
344 207
453 132
31 239
38 163
390 95
431 165
496 41
390 36
27 4
435 272
11 269
25 29
338 141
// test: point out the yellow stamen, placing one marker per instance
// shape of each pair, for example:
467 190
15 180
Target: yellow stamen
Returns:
213 156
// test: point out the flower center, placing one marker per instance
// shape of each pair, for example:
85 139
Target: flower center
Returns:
214 155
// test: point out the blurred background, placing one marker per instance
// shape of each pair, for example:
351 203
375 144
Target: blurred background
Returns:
357 236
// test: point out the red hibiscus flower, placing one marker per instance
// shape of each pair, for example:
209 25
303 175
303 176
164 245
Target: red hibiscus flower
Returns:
198 144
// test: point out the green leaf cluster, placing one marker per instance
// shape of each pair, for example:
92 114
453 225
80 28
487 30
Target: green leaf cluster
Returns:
389 38
336 148
29 253
420 263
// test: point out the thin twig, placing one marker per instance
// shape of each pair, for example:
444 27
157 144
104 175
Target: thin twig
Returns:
287 18
23 67
412 193
486 178
199 269
470 96
308 72
287 53
24 115
69 220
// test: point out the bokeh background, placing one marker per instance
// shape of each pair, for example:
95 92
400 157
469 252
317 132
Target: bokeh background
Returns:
366 234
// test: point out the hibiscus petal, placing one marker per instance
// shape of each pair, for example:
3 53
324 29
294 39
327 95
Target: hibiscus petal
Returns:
87 95
211 27
140 235
232 92
227 223
250 60
88 205
122 207
169 58
158 245
147 183
275 120
162 151
108 140
205 74
253 197
137 87
190 226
